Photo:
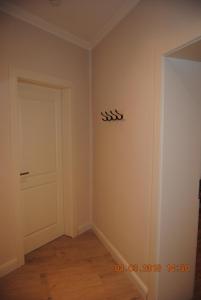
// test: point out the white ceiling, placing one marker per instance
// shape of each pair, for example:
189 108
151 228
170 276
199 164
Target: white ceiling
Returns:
83 22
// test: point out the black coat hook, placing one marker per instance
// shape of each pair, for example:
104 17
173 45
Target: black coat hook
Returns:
109 117
121 116
106 119
113 115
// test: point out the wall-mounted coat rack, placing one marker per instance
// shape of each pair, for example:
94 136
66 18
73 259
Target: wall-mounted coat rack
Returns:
112 116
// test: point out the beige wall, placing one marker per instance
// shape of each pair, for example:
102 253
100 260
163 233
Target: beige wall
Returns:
26 47
127 76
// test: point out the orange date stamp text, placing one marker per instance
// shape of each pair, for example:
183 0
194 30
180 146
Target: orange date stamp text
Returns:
171 268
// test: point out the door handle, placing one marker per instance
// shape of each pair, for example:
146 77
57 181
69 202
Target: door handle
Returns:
24 173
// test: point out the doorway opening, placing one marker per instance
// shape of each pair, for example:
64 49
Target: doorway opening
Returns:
41 135
180 173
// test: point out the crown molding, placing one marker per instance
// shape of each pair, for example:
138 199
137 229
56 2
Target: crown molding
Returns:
117 17
36 21
32 19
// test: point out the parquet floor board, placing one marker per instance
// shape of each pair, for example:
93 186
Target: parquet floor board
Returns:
68 269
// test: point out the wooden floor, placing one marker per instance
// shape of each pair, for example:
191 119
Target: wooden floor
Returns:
68 269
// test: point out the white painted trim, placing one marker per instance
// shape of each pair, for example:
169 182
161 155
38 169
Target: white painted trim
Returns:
161 145
90 140
38 78
139 284
84 228
174 50
61 33
157 165
124 10
8 267
70 205
36 21
15 184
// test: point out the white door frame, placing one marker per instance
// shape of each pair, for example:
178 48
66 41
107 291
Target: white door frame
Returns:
70 206
157 170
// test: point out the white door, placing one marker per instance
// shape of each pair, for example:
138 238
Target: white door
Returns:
40 164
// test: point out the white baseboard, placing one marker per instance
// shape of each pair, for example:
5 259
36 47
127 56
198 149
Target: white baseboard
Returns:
139 284
84 228
8 267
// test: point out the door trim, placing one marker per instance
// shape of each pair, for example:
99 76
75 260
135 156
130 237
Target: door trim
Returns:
70 205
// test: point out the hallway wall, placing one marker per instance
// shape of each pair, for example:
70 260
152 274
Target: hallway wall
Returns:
26 47
127 76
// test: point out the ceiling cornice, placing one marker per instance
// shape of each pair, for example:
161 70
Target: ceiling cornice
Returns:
36 21
120 14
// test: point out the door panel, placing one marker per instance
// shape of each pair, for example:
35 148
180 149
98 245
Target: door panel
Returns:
43 196
38 136
41 192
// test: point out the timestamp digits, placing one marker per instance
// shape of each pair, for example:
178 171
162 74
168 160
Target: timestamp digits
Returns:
151 268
